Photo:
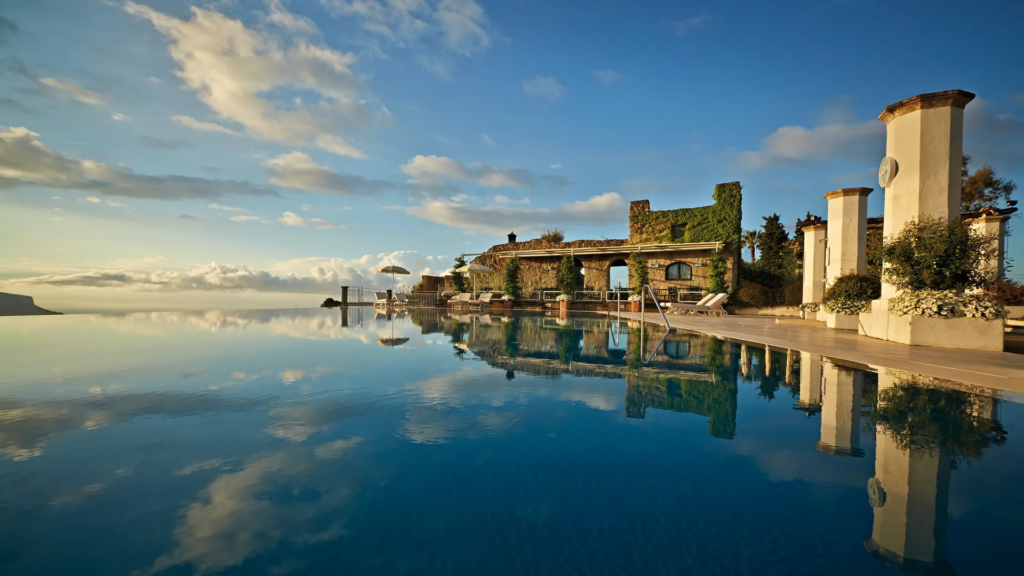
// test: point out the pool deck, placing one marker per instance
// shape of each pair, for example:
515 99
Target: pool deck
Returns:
998 370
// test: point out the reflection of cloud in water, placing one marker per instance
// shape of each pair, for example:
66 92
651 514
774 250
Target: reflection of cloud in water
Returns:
595 400
298 422
26 427
436 426
292 496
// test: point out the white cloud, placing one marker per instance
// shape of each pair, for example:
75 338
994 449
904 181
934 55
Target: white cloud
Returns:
795 144
461 25
488 140
226 208
26 162
687 26
557 166
496 220
297 170
119 117
306 207
501 199
77 92
232 69
293 219
116 204
304 276
431 171
93 199
993 137
606 77
277 15
244 218
202 126
543 88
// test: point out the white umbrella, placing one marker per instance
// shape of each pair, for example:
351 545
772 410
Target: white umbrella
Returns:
474 270
393 270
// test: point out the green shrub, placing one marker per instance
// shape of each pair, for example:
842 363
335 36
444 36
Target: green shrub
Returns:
638 269
717 268
568 276
554 236
458 278
794 293
1006 292
510 286
851 294
932 254
754 295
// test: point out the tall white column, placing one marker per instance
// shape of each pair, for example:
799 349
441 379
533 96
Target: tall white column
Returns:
924 135
840 410
994 225
814 262
847 243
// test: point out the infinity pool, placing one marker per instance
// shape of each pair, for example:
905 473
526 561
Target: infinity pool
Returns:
349 442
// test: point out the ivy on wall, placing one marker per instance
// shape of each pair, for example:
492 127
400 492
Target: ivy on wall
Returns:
720 222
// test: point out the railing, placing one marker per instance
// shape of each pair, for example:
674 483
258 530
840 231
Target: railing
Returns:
531 296
588 295
423 299
550 295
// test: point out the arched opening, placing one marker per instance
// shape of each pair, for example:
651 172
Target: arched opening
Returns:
581 278
679 271
618 275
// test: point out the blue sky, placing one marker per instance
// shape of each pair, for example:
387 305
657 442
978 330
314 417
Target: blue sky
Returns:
169 153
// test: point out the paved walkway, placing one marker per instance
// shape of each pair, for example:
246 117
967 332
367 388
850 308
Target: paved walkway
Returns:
999 370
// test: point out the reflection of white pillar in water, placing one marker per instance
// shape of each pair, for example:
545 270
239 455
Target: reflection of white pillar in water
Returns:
840 411
910 494
810 381
789 367
744 360
767 360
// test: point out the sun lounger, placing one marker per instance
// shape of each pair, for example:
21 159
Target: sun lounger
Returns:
462 300
484 300
401 299
381 299
714 306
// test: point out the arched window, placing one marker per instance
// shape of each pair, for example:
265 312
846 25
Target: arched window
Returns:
679 271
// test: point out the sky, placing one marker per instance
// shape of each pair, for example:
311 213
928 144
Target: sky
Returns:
167 154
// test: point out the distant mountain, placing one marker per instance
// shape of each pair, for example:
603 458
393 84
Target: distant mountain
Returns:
18 305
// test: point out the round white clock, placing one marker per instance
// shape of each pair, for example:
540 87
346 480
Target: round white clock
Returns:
886 171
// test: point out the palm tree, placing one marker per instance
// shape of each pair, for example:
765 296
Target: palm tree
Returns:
749 240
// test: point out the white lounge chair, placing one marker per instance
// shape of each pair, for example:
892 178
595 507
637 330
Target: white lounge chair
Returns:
712 307
676 306
381 299
401 299
462 300
484 300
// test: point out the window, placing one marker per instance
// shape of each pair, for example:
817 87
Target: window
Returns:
678 231
676 350
679 271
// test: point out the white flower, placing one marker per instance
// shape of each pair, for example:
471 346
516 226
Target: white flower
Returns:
564 298
945 304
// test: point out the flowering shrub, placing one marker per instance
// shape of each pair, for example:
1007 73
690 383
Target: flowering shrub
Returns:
945 304
564 298
810 306
1006 292
507 297
635 298
449 293
851 294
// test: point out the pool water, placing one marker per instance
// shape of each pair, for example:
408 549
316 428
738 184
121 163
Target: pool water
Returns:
348 442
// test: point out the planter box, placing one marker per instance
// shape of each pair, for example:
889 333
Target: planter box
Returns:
788 311
564 305
508 304
842 321
1016 312
634 306
960 333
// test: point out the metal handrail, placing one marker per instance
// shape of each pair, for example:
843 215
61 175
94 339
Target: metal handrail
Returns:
668 327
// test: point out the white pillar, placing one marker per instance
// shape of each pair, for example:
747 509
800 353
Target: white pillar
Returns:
847 243
924 134
994 225
840 411
810 382
814 262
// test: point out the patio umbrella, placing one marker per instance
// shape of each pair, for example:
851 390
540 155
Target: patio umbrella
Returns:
475 270
393 270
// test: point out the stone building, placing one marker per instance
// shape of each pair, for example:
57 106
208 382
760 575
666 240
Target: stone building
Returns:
677 244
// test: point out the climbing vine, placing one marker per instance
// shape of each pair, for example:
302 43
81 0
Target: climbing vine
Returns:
720 222
638 269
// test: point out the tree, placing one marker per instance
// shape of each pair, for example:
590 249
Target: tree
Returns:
932 254
772 243
511 286
983 188
568 276
749 240
458 278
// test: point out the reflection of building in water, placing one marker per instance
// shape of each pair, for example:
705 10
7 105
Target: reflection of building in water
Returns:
810 383
840 410
915 448
715 400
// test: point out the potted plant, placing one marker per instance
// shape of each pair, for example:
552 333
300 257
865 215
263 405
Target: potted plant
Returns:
511 288
848 296
447 295
568 277
634 302
564 300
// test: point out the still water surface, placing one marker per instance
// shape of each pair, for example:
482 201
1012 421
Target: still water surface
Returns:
340 442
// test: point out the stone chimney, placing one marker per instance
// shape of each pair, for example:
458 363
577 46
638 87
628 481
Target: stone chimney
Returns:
639 207
511 237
